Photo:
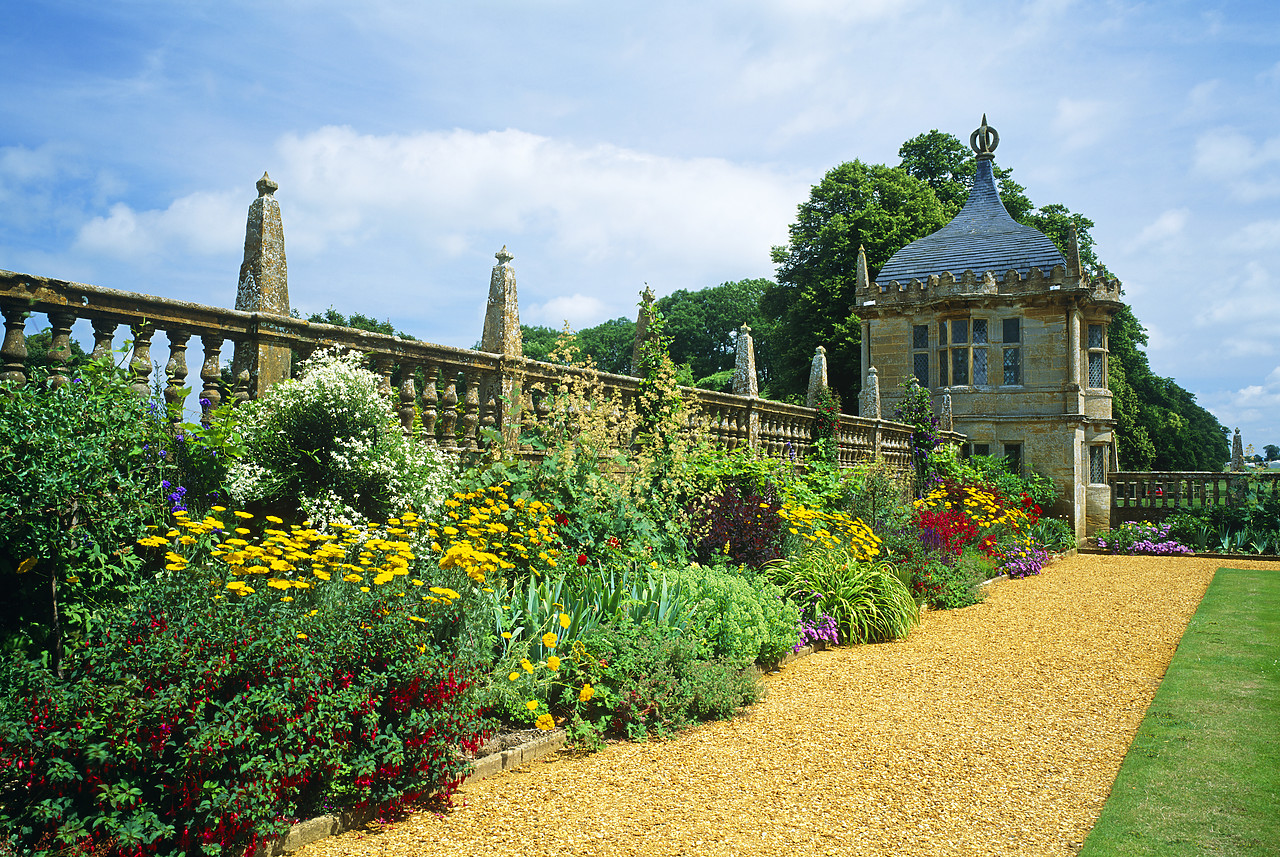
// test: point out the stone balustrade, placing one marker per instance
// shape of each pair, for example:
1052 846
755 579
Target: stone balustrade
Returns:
450 394
1154 496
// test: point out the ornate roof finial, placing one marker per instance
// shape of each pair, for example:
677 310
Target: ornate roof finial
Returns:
984 140
266 187
502 255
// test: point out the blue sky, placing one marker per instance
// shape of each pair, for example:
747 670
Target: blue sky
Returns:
610 145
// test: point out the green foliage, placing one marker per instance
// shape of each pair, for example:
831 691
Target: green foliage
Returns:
1054 534
742 620
38 352
855 204
194 724
703 328
358 321
1161 426
538 340
649 680
868 600
80 478
994 472
328 445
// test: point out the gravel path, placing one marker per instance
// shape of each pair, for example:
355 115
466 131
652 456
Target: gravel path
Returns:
993 730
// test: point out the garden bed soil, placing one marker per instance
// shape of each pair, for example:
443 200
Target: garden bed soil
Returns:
996 729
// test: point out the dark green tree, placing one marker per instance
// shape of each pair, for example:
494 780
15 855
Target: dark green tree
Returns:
947 165
1272 451
703 327
880 208
610 344
538 340
356 320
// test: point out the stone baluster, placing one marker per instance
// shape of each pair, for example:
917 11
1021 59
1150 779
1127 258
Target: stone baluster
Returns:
210 376
13 352
471 416
140 366
408 395
429 399
241 392
104 334
449 403
59 347
175 371
490 409
383 366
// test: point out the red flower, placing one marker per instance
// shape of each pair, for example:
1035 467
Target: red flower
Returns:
582 559
562 518
613 542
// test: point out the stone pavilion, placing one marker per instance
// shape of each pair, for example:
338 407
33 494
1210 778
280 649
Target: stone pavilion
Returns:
1010 338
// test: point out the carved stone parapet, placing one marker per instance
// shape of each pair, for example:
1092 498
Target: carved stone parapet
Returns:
140 366
104 334
176 374
211 375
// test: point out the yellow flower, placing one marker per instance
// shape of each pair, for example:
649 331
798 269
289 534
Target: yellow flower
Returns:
532 705
549 640
528 667
506 635
564 620
586 693
244 515
553 663
513 676
545 722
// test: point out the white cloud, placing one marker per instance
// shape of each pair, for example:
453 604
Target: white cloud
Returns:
578 310
203 222
1240 313
1259 235
1080 123
1167 226
1249 168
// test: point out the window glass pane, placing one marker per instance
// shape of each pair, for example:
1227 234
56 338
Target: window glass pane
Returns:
959 365
1097 464
960 331
1013 453
1012 330
1013 366
922 368
1095 369
979 331
1095 336
942 368
920 336
979 363
982 449
942 333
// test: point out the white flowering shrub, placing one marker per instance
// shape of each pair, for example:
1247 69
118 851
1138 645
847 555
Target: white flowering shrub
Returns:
328 445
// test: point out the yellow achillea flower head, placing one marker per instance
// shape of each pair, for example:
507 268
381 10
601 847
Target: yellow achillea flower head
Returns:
545 722
549 640
564 620
513 676
586 693
526 665
553 663
532 705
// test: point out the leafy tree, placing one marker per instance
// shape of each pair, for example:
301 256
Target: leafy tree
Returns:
947 165
610 344
356 320
703 327
1272 451
880 208
538 340
38 352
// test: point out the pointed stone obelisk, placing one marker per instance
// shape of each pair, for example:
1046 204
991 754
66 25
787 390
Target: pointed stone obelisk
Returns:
869 398
1237 453
745 382
817 377
502 314
264 288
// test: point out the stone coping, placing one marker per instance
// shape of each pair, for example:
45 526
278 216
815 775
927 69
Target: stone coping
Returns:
1252 557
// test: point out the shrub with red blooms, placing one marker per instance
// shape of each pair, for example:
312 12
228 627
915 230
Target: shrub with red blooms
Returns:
946 530
746 529
199 726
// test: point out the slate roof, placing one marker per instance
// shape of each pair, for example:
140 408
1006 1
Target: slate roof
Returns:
982 237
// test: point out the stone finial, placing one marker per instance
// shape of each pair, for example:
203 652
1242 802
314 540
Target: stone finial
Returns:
948 419
1237 453
869 398
745 382
502 313
264 276
984 140
266 187
817 377
863 283
1073 254
642 326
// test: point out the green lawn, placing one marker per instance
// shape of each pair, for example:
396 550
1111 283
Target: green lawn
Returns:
1203 774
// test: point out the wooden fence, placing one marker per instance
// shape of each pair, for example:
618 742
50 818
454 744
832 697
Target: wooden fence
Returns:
456 393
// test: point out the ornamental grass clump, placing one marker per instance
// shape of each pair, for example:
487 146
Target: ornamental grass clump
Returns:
869 602
327 446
